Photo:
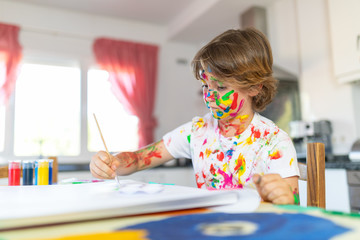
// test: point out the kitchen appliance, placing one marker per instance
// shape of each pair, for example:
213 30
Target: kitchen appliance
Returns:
303 132
354 154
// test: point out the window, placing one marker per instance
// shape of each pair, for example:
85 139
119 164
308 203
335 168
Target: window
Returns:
48 114
47 111
118 128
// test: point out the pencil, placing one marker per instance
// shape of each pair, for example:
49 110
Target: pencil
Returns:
102 138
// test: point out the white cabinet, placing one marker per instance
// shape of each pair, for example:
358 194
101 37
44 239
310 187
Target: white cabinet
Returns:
344 19
336 191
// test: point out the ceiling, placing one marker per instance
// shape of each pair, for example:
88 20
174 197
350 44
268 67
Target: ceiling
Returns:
193 21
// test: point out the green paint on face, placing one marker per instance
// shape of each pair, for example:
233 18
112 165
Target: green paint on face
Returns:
216 80
227 95
216 96
189 138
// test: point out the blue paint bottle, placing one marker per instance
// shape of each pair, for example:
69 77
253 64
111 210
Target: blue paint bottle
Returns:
28 172
50 171
36 165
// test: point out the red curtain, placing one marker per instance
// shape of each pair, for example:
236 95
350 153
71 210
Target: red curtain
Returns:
132 71
10 57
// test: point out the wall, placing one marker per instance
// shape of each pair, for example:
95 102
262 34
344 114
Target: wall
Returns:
283 35
356 109
300 37
179 98
322 96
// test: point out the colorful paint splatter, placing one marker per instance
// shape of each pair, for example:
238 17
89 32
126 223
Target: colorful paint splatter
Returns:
226 163
228 104
143 157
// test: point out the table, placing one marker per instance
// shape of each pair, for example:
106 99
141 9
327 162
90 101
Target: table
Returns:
267 221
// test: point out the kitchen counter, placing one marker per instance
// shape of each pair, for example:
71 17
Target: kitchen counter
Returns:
341 161
348 165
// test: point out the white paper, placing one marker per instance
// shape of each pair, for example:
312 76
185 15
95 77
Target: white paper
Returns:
26 205
249 200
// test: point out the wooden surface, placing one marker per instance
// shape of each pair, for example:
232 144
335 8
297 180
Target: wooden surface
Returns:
315 162
55 169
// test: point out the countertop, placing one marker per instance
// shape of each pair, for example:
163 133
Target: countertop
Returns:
341 161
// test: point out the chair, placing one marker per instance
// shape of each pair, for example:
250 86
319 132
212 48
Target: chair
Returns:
313 172
4 172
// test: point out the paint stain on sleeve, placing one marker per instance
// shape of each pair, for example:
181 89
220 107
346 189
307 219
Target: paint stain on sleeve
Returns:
275 155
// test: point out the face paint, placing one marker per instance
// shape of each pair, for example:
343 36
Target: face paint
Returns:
216 80
228 104
203 75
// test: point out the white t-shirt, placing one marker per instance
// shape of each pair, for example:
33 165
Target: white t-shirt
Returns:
225 163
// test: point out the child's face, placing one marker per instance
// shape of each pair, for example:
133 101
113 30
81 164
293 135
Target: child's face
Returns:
224 101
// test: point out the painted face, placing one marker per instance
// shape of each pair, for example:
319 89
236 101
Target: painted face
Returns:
222 99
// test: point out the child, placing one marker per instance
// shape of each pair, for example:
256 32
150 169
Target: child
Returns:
233 146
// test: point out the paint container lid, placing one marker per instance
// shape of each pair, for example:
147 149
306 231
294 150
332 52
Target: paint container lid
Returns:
14 164
43 162
28 163
50 162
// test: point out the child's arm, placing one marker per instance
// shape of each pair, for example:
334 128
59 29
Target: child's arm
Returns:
273 188
126 163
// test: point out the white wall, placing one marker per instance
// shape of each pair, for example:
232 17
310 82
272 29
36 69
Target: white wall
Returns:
356 99
283 35
300 38
178 99
321 95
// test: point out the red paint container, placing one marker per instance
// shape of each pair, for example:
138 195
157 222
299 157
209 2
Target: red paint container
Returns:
14 172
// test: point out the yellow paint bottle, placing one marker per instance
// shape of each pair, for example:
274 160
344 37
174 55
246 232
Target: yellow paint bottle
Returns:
43 172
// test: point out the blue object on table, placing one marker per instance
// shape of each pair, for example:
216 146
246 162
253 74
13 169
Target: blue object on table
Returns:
254 226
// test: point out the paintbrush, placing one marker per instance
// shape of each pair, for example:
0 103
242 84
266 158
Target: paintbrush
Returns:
102 138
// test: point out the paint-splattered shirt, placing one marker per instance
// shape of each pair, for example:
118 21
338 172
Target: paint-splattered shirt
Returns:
223 163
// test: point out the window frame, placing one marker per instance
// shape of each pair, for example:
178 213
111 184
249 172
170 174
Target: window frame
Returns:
85 155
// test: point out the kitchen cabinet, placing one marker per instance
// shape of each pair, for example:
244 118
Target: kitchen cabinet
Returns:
354 189
344 20
336 190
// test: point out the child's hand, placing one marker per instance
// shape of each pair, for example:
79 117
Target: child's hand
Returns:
100 165
273 188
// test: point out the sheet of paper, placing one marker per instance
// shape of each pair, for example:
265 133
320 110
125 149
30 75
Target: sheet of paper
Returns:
36 205
249 201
